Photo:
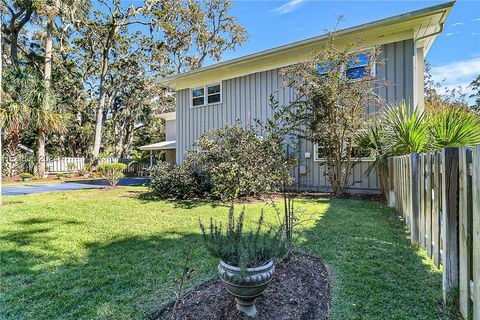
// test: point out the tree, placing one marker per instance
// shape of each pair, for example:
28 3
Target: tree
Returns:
52 9
14 117
475 85
194 30
20 12
183 34
332 92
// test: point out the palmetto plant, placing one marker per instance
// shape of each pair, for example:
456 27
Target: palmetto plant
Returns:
13 119
454 127
403 130
373 139
406 130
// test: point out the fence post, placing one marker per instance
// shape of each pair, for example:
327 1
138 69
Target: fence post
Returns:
450 223
437 204
476 233
465 229
391 182
428 203
421 198
414 196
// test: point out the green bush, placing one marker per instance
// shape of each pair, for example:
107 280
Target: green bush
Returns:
170 181
60 175
25 175
244 249
238 162
112 172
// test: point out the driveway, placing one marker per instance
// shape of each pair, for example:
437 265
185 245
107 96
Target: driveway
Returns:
76 185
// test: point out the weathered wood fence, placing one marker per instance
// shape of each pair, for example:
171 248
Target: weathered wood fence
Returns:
438 196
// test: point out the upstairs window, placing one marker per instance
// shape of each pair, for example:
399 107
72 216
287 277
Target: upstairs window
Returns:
198 97
357 66
206 95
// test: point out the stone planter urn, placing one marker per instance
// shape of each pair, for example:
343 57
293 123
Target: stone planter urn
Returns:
246 285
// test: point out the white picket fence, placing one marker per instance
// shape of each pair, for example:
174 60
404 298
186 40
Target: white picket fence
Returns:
67 164
61 165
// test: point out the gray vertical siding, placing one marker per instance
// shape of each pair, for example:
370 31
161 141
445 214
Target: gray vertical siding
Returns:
246 98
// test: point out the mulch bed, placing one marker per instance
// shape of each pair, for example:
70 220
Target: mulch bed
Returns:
299 290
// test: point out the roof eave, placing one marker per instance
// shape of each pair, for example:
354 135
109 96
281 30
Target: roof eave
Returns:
171 82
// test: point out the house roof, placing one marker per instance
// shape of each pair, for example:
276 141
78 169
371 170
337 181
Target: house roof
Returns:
421 25
164 145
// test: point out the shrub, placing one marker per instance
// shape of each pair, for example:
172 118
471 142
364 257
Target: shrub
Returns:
168 180
71 166
248 249
112 172
25 175
238 162
60 175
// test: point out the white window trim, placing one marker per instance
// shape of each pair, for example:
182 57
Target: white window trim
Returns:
317 159
205 95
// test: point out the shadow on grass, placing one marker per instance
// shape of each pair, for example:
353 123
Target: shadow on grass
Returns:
146 197
127 278
377 273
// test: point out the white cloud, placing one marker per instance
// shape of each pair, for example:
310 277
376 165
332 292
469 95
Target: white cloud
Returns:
475 33
457 73
476 19
457 24
290 6
452 33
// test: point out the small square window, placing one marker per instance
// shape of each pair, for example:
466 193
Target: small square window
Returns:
213 94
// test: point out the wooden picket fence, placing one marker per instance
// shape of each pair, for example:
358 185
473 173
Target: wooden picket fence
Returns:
438 196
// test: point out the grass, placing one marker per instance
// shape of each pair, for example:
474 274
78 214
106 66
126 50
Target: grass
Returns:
108 254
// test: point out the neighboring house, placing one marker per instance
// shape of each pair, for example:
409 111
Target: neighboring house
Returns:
217 95
169 145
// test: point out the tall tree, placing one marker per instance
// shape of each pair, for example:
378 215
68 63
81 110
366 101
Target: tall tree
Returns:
475 85
332 92
63 9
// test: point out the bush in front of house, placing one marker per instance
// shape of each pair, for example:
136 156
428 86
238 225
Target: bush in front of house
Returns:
112 172
171 181
239 162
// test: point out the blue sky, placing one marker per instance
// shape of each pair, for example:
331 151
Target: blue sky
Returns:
455 54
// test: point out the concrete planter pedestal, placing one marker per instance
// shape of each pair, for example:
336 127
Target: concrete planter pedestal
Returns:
246 285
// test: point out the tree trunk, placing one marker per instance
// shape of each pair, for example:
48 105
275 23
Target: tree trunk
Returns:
47 79
101 105
10 155
14 47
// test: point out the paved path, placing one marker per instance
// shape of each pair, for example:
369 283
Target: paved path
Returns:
58 187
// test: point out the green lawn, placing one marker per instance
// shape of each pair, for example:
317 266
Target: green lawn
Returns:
111 255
